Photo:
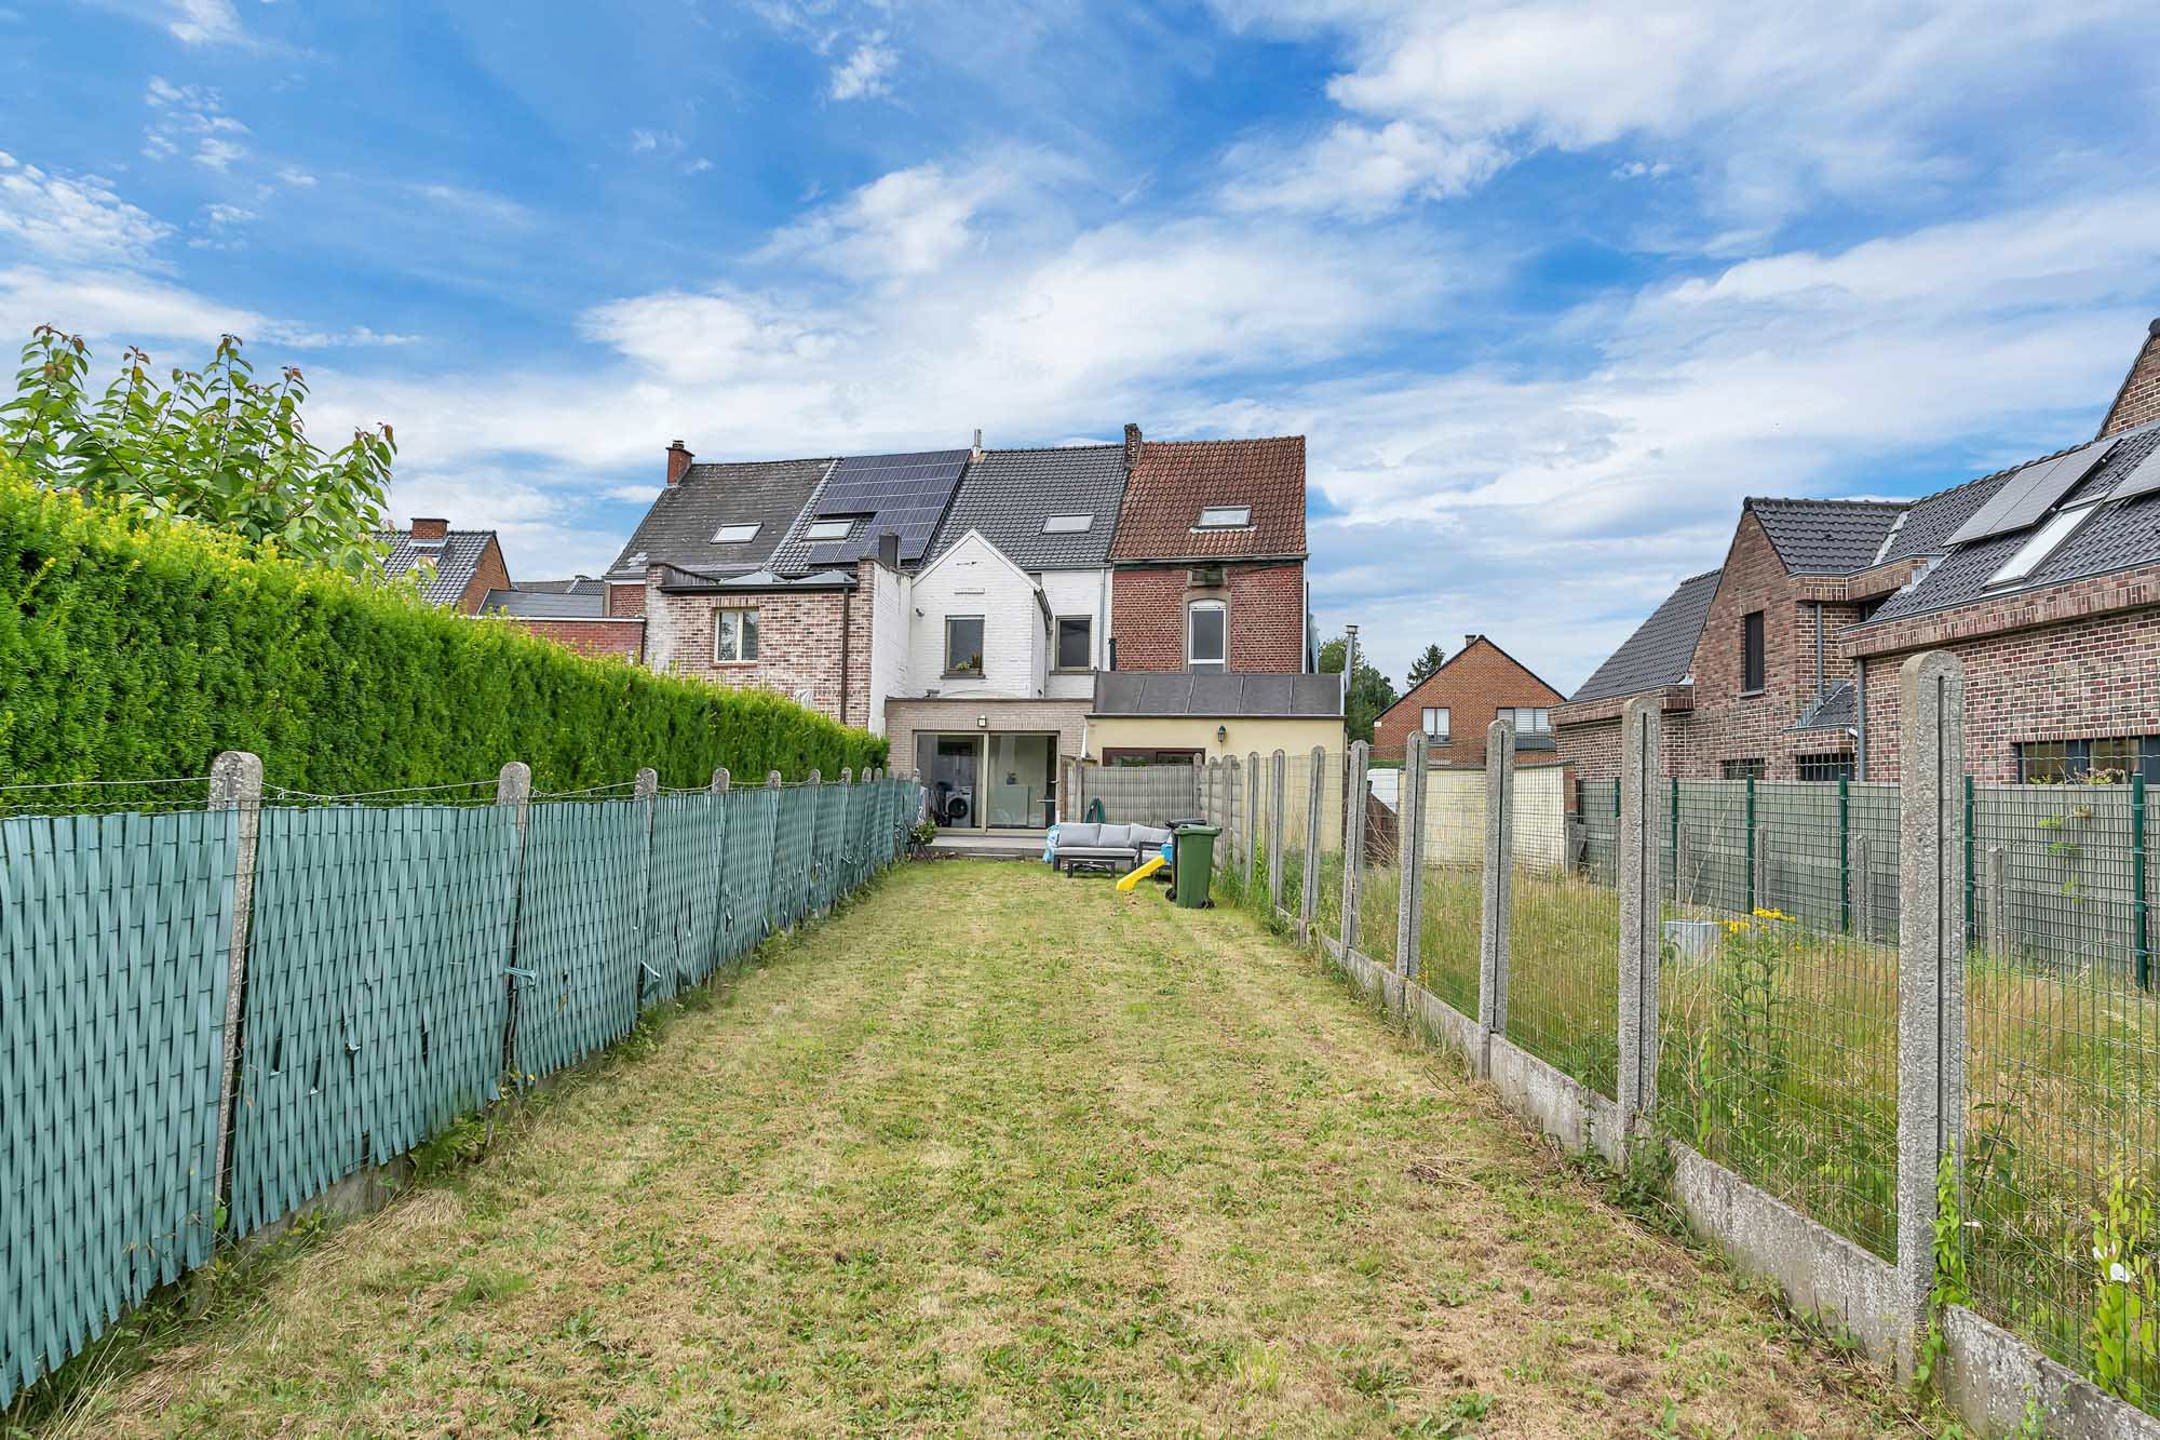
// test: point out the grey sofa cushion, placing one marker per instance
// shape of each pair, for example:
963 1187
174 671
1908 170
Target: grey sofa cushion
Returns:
1115 835
1147 837
1076 833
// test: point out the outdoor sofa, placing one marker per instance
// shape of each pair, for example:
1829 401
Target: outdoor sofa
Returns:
1077 845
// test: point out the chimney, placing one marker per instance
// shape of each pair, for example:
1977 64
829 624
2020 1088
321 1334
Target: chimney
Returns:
678 462
888 550
977 447
430 529
1469 640
2139 398
1132 445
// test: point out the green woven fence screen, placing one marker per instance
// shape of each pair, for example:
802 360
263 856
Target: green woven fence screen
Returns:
746 875
580 913
794 839
114 945
682 908
375 991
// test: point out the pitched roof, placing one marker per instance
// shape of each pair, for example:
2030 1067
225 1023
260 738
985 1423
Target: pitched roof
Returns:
684 518
908 494
454 560
1826 537
1173 480
2120 535
1191 693
1662 647
578 585
1415 694
1009 495
547 604
1837 708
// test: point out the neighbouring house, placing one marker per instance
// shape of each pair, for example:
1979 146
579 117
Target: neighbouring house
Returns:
1170 717
570 612
457 568
1456 705
1210 557
2044 578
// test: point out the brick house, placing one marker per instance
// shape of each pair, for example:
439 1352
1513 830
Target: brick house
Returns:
458 567
1456 704
1210 557
573 613
2044 578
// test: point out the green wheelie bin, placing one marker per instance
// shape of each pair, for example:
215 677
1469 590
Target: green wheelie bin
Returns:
1192 863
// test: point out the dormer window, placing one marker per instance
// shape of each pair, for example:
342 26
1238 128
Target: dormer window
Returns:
829 529
2044 542
735 534
1068 524
1224 517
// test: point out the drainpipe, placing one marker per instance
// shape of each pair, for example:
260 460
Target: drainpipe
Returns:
1818 650
1860 734
847 620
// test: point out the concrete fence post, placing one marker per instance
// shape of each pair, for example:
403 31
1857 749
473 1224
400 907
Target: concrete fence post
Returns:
513 787
1410 858
1759 857
1931 966
1251 849
1278 791
1641 729
1499 887
647 789
1309 900
1353 869
720 781
236 781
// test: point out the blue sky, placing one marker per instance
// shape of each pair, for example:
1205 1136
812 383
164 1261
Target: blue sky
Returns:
1549 286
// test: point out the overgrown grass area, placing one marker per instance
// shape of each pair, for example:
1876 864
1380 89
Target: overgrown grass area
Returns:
998 1153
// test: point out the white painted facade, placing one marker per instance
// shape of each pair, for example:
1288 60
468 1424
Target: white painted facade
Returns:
975 578
1077 592
888 640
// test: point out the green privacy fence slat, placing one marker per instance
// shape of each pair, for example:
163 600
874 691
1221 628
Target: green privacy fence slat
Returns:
374 1000
114 936
746 874
683 902
793 839
580 916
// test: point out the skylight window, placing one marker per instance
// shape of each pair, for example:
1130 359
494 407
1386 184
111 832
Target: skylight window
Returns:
829 529
2043 542
1068 524
735 534
1225 517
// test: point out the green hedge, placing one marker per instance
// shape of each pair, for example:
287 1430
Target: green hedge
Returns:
134 648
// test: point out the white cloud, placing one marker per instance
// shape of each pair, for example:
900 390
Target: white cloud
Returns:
191 120
908 222
205 22
867 71
74 220
1361 170
118 307
481 205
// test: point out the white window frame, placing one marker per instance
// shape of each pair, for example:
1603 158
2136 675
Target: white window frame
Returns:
719 635
1220 517
2042 543
736 534
1526 721
1057 630
1220 607
1438 722
827 530
982 650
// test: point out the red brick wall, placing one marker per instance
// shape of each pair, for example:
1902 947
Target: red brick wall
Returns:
1475 686
1266 616
591 637
2140 397
799 644
1591 750
623 600
2085 679
489 574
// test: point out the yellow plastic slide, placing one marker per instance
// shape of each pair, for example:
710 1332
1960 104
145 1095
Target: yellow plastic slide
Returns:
1155 862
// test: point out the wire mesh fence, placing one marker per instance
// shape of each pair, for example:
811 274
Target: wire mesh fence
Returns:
1563 941
401 961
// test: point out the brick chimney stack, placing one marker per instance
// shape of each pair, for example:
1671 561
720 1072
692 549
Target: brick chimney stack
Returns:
1132 445
430 529
678 462
2139 399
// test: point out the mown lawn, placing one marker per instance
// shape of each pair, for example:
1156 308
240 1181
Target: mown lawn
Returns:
997 1153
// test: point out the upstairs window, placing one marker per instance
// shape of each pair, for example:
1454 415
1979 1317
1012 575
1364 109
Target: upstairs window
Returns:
735 534
963 644
735 634
1075 642
1751 652
828 529
1224 517
2044 542
1207 635
1435 722
1068 524
1530 721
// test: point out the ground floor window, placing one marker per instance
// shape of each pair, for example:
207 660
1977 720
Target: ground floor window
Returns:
1832 766
735 634
2115 757
1151 757
1741 769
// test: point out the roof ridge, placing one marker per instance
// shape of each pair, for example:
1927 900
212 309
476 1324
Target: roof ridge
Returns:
1825 500
1225 440
1058 449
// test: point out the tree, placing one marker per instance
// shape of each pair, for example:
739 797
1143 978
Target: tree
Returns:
211 445
1370 691
1425 666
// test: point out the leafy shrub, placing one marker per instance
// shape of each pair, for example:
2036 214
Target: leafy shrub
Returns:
133 647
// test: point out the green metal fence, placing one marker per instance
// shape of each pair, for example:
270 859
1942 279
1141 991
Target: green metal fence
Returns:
401 961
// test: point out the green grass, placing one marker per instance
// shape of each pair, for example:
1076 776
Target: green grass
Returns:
998 1153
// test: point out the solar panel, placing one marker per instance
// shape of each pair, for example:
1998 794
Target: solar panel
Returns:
2030 494
2143 480
907 494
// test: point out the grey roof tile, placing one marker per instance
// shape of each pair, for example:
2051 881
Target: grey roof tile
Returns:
578 585
1826 537
455 560
679 528
1009 494
546 604
1835 709
1662 647
1211 694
